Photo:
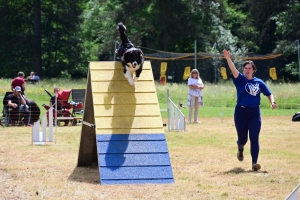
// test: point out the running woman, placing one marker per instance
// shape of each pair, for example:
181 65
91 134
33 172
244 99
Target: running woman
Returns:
247 116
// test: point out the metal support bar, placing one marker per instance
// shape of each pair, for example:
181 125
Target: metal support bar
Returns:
195 55
89 124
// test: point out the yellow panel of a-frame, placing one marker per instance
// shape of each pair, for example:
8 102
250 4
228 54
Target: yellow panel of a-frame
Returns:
120 108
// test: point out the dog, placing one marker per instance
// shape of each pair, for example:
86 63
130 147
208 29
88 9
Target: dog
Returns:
132 58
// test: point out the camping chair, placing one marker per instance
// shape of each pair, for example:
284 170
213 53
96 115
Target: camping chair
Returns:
64 108
63 112
9 115
67 106
8 112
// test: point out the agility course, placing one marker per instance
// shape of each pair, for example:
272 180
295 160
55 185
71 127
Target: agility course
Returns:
122 129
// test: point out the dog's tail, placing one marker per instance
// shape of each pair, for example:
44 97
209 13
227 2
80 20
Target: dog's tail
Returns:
121 29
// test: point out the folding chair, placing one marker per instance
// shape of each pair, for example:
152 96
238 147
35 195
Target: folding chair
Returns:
7 113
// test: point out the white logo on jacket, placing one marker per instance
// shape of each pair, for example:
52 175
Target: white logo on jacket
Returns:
252 89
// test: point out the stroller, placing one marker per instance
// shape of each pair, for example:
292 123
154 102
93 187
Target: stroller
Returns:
65 110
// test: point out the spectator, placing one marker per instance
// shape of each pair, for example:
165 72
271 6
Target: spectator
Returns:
17 107
52 100
195 95
60 110
36 77
19 81
31 77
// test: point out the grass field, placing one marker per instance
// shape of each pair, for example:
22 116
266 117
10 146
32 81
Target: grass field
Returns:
203 158
219 99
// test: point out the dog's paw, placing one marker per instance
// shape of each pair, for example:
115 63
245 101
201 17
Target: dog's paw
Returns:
135 79
131 82
121 27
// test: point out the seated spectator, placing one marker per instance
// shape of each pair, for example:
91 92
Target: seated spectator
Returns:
19 81
31 77
60 110
36 77
52 99
18 110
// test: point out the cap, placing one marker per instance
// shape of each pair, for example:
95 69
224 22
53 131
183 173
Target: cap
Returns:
17 88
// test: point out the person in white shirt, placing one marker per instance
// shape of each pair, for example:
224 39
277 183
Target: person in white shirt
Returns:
195 95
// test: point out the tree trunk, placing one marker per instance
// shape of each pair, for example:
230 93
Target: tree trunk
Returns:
37 38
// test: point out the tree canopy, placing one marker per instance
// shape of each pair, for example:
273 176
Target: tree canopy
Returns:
58 38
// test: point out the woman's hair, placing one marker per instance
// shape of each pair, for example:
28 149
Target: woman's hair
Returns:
252 64
21 74
56 89
195 71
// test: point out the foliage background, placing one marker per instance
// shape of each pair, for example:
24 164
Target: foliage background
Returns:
58 38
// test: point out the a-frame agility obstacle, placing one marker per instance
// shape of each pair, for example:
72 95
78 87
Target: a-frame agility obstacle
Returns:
122 130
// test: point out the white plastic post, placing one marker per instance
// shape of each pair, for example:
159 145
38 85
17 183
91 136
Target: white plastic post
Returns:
39 137
182 122
172 116
51 124
44 125
36 131
176 118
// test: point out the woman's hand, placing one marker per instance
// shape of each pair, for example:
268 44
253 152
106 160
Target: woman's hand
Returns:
226 54
273 105
14 105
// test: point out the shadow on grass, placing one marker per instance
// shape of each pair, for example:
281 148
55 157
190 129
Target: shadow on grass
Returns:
238 170
85 174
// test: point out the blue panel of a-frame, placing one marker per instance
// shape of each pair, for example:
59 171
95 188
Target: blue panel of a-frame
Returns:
133 159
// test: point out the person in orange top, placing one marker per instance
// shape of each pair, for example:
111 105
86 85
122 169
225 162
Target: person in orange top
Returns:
19 81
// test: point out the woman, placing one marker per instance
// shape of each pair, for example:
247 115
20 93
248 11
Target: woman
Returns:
31 77
247 116
19 81
195 95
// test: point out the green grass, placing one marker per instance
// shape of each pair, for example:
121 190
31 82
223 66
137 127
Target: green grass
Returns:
219 99
287 96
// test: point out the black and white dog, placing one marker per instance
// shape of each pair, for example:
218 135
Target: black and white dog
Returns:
132 58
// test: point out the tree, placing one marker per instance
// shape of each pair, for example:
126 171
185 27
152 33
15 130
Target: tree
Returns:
22 35
260 15
37 38
16 37
288 31
287 26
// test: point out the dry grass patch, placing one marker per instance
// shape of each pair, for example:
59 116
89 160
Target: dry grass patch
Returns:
203 160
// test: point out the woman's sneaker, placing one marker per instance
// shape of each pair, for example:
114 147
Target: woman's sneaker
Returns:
256 166
240 155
